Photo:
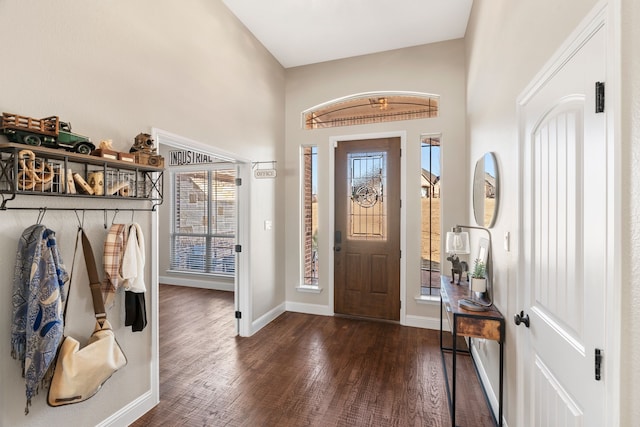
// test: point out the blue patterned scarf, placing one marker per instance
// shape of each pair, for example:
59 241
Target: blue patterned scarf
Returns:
38 297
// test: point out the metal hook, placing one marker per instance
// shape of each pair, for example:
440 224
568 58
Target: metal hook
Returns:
41 213
115 213
104 211
80 223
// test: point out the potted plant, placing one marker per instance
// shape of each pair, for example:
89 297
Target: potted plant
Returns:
479 278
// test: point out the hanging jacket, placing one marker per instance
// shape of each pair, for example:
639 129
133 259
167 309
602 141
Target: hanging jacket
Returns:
133 266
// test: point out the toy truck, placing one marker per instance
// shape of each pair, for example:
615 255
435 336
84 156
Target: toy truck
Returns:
48 132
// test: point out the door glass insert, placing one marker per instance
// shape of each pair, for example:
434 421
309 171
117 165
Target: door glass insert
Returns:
367 211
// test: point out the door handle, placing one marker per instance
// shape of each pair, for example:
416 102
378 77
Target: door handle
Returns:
521 318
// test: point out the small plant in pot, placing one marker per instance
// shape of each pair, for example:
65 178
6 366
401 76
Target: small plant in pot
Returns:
479 278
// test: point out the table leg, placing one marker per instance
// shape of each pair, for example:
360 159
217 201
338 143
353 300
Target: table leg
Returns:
501 382
453 379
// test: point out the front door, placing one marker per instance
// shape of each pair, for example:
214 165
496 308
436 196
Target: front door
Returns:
367 224
565 225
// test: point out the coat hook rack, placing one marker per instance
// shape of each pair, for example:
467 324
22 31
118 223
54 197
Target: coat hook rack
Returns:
43 209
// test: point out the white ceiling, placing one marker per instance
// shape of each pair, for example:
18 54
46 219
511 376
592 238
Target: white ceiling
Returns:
301 32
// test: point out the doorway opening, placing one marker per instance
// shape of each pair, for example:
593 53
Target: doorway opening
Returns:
196 155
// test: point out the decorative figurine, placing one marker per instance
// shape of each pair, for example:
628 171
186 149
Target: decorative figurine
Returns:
145 151
105 150
143 143
48 132
457 266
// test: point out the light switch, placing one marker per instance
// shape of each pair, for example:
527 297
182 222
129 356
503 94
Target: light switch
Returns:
268 224
506 241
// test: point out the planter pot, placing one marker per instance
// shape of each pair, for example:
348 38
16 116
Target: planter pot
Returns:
479 286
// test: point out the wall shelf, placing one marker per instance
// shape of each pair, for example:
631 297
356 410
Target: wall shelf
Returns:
41 171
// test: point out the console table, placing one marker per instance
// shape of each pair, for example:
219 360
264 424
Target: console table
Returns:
487 324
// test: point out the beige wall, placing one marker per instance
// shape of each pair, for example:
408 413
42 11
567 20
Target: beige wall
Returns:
437 69
115 69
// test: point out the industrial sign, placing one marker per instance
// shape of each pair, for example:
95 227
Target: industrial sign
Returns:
188 157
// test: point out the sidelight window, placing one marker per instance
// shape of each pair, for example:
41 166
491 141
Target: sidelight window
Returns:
310 215
430 260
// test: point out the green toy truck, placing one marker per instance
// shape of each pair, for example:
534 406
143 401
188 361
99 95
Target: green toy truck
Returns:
48 132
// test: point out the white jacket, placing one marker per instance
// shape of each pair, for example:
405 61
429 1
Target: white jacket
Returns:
133 260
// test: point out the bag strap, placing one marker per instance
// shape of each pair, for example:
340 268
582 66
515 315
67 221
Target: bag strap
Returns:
73 263
94 280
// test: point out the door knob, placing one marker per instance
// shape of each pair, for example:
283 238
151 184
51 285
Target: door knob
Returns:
521 318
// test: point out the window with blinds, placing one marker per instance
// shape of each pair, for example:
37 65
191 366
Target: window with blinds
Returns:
204 222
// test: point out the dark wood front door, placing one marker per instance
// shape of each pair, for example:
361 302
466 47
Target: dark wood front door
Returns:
367 236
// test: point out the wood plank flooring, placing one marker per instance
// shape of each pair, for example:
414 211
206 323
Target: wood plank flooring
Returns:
300 370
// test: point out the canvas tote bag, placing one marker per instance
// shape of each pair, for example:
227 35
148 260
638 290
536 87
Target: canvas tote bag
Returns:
80 372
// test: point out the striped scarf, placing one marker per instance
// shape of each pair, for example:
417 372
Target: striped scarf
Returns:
112 260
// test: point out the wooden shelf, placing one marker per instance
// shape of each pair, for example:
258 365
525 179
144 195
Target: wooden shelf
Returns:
133 180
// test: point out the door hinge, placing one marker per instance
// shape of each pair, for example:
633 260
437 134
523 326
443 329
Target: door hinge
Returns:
238 248
598 360
599 97
238 315
238 182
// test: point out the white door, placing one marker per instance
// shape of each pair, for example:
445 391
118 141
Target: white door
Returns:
564 253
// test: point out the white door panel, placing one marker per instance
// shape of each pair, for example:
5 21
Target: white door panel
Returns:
564 152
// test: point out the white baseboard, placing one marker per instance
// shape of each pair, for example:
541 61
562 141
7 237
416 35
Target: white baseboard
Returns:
134 410
267 318
486 384
425 322
317 309
212 284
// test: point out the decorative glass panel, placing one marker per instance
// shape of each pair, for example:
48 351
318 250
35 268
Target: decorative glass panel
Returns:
371 108
367 180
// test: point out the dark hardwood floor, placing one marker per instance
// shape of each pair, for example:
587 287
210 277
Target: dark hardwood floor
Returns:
300 370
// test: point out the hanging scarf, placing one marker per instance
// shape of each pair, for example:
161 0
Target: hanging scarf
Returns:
112 260
38 296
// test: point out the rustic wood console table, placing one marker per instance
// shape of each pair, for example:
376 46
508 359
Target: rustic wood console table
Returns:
489 324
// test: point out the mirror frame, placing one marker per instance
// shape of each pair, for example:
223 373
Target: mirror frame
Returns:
480 192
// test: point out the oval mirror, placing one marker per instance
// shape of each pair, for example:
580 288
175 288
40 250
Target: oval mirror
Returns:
485 190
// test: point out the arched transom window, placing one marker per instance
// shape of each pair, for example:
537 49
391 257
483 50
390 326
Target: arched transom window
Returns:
371 107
